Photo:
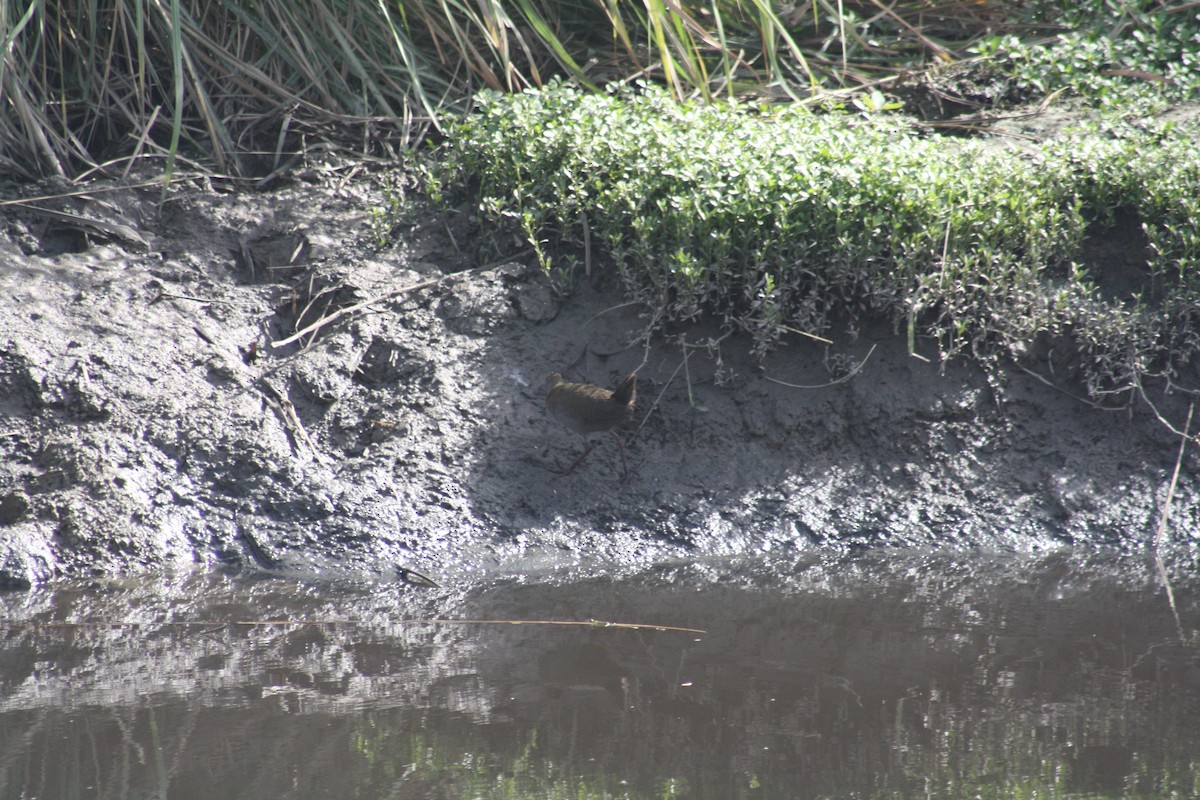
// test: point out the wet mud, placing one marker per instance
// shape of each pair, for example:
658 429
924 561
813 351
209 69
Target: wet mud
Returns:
154 418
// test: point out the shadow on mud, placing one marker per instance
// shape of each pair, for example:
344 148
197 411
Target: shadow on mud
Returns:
851 445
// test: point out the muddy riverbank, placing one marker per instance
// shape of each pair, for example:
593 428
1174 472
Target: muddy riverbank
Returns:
149 421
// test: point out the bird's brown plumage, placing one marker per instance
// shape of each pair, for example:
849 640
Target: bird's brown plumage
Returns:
586 408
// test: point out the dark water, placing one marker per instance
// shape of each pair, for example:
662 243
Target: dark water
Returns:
884 675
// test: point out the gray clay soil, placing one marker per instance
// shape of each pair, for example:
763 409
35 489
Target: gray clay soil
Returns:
147 422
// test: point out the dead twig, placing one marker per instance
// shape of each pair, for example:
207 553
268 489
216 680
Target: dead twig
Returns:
941 52
348 310
1137 381
806 334
662 391
1058 388
158 298
857 368
116 230
683 364
292 419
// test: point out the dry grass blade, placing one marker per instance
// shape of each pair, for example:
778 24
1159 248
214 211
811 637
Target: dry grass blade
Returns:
104 227
348 310
30 133
548 37
942 52
412 63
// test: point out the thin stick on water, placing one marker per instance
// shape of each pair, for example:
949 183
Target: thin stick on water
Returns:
1162 523
267 623
1166 582
1166 511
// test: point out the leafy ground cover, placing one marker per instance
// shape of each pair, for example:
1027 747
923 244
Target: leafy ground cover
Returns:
779 219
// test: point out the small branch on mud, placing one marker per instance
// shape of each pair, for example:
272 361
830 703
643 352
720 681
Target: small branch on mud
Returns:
1166 514
328 292
348 310
857 368
1058 388
805 334
683 364
599 314
292 419
158 298
1165 422
661 392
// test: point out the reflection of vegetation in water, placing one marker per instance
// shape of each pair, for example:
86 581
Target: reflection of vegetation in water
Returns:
935 681
1046 753
429 762
936 751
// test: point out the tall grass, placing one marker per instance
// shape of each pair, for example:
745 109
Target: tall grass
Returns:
88 85
239 85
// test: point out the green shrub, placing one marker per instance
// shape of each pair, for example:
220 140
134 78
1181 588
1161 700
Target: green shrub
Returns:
1109 53
775 218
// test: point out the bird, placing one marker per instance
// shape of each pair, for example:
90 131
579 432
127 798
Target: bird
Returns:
587 409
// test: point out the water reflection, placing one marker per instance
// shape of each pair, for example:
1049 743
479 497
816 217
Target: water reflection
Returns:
879 675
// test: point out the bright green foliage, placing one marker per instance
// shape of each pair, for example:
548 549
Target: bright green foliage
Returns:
776 217
1111 50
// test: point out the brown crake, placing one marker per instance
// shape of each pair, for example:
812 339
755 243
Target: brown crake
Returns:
587 409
